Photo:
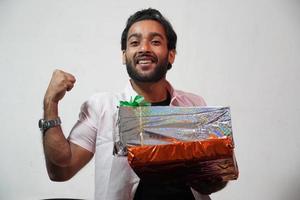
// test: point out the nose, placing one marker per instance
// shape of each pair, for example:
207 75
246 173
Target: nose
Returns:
144 47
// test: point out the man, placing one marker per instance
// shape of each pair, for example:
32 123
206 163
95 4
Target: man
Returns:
149 48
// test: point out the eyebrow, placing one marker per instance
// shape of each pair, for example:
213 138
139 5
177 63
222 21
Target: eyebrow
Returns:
152 34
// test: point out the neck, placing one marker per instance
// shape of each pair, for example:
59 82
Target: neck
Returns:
152 92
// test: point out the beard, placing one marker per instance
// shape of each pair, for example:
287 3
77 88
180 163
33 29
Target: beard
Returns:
158 73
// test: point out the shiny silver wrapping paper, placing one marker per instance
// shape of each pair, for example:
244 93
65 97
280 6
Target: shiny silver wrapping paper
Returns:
183 142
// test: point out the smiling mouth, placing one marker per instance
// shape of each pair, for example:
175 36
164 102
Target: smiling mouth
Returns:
145 60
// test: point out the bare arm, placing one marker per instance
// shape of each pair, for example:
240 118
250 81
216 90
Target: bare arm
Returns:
63 159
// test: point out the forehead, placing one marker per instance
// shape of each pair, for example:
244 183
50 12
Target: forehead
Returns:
146 27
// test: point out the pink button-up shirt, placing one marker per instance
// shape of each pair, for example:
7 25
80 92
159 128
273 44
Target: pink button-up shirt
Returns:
95 131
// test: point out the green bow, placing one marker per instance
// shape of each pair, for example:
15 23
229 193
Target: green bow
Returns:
137 101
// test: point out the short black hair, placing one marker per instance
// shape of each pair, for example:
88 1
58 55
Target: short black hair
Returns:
150 14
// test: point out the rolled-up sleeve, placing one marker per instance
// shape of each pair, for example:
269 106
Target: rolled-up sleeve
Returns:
84 131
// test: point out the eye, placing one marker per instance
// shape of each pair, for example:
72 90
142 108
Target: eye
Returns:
134 43
156 42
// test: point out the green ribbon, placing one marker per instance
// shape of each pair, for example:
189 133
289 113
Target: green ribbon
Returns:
137 101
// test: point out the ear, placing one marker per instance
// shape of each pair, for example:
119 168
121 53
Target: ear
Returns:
171 57
124 57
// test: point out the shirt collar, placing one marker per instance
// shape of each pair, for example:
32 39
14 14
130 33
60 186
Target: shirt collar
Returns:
129 92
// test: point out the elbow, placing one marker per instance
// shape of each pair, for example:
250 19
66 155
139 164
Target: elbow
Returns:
59 177
58 166
57 173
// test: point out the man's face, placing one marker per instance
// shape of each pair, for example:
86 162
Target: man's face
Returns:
147 55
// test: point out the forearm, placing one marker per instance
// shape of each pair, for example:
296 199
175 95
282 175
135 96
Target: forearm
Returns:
56 146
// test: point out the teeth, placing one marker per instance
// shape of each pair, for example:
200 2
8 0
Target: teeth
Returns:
145 61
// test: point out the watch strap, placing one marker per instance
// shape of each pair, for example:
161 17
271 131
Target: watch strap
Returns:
44 125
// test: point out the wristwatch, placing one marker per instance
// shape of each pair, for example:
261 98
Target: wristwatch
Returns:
44 124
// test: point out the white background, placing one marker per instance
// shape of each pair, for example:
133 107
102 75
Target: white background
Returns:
245 54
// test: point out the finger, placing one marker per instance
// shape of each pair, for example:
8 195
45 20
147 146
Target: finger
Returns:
65 75
70 77
69 88
69 85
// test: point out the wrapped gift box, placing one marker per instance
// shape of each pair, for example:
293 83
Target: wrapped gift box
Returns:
177 142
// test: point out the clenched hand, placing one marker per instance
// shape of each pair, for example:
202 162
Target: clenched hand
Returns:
60 83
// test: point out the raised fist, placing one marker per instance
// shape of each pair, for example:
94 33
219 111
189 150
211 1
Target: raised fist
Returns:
60 83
